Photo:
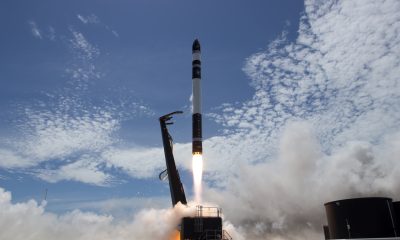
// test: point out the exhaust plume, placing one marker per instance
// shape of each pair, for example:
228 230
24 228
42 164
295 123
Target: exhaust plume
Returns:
197 166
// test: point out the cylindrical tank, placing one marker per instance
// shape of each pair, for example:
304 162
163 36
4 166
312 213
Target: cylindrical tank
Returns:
361 218
396 208
326 232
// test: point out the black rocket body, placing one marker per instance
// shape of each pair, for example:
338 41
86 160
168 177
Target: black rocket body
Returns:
197 145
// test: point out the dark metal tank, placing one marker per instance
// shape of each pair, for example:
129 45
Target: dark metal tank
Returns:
396 208
372 217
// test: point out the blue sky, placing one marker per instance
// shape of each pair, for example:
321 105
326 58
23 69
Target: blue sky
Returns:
143 57
295 94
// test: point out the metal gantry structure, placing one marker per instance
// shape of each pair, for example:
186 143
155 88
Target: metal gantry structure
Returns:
175 184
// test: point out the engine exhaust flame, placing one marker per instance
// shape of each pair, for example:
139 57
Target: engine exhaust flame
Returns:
175 235
197 166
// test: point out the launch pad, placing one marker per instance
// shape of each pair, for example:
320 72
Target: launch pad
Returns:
206 224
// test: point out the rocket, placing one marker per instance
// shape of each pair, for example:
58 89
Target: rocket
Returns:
197 145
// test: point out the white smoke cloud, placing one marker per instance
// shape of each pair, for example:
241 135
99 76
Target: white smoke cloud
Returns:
119 208
284 197
30 221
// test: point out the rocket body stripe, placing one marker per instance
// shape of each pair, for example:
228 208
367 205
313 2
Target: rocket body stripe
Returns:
196 96
196 56
197 145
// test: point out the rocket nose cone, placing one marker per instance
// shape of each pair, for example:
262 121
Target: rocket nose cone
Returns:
196 45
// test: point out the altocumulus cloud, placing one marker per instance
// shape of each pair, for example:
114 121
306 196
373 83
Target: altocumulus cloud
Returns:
66 136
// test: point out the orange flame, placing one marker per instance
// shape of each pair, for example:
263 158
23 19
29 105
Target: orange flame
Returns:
176 235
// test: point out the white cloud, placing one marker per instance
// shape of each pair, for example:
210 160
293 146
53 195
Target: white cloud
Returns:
88 19
68 138
333 76
138 162
52 135
93 19
80 43
141 162
86 170
82 19
65 136
115 33
10 159
51 33
41 33
35 30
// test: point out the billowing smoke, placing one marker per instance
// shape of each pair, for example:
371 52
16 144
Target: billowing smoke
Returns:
283 198
30 221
